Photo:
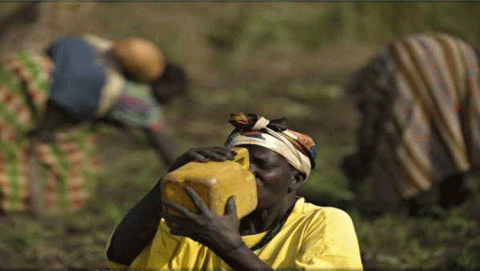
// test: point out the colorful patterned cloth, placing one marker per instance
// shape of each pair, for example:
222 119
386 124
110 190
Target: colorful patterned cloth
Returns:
431 128
136 106
297 148
63 165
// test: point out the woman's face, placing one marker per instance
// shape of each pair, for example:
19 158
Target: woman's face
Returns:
273 175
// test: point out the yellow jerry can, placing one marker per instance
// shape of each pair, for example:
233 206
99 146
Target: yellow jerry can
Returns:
214 182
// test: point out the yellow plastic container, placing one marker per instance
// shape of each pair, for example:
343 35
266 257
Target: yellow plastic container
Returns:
214 182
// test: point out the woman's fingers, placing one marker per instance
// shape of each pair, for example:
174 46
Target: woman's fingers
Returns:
231 207
216 153
203 155
180 209
227 153
178 225
202 207
198 156
197 200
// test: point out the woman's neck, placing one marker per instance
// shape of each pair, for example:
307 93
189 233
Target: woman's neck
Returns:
261 220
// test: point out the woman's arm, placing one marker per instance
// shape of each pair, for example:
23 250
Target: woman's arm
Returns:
137 229
163 144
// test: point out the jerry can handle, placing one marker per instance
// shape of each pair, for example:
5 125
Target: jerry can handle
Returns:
242 157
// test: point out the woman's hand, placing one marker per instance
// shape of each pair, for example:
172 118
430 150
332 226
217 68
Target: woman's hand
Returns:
203 155
219 233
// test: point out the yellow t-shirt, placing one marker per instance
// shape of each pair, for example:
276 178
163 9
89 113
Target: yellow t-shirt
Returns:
313 237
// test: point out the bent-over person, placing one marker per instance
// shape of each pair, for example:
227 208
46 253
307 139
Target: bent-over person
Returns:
49 103
419 137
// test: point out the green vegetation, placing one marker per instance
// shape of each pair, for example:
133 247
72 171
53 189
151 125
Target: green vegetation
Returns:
277 59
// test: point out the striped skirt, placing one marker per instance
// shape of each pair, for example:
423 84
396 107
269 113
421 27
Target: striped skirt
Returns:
54 172
433 126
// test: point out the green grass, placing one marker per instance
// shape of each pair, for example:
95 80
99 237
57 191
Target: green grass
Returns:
441 240
267 58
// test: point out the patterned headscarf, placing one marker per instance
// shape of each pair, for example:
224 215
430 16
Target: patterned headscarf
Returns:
297 148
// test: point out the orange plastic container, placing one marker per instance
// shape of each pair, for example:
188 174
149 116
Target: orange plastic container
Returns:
215 182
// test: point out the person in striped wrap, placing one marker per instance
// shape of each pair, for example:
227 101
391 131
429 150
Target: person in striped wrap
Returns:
49 105
419 136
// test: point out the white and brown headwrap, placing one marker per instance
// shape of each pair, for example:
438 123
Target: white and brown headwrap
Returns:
297 148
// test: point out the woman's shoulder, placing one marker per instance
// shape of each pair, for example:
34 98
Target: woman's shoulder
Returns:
308 208
320 214
330 226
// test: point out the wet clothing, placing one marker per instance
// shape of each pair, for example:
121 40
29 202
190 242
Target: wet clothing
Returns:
312 238
425 90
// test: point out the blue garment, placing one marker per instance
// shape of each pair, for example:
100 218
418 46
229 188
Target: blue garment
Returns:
78 77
